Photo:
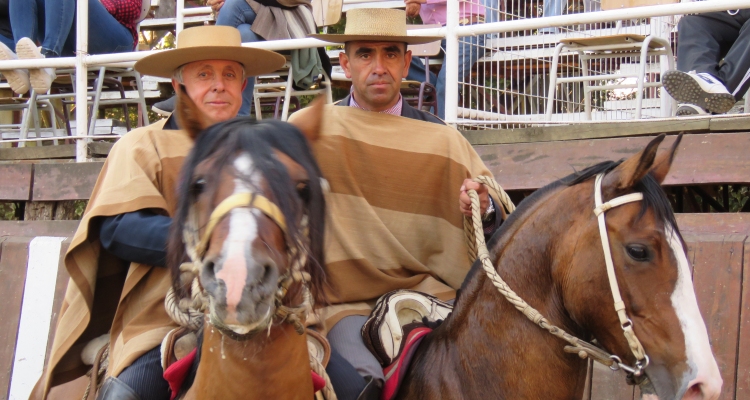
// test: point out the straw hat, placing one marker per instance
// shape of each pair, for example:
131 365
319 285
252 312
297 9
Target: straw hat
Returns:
376 24
210 42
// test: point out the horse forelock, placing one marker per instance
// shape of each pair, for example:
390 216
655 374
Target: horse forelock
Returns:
223 143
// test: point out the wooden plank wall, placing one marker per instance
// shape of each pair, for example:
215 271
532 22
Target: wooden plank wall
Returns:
718 247
14 258
719 251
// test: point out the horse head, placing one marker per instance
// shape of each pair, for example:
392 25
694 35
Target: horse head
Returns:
250 219
659 329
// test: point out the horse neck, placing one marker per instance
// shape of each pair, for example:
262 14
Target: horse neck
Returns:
487 340
267 366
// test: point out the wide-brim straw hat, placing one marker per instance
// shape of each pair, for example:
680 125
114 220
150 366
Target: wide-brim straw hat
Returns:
376 25
210 42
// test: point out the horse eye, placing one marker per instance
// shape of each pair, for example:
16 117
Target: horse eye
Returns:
638 252
197 187
303 190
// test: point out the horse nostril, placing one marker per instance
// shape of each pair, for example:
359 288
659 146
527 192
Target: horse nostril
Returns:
267 273
699 390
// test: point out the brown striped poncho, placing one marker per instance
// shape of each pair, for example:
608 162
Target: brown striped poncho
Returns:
393 216
104 293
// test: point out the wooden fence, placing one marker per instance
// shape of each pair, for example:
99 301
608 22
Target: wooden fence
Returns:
718 246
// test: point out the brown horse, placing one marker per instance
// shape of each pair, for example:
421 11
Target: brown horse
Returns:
251 212
550 252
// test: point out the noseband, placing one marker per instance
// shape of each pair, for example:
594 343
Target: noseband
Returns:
583 348
198 246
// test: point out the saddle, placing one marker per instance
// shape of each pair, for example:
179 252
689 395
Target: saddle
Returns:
395 328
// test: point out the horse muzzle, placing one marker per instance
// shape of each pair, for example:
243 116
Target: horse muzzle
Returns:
241 294
659 385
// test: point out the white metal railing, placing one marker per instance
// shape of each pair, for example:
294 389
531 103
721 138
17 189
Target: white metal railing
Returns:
452 31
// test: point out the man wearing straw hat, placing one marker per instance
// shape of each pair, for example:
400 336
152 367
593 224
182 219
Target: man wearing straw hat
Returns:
115 261
396 175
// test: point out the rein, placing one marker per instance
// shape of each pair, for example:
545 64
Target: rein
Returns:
584 349
191 312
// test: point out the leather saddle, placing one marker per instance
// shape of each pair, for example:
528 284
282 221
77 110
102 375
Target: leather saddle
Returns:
395 315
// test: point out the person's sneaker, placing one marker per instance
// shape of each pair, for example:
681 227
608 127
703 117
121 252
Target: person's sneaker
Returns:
165 107
18 79
700 89
685 110
41 78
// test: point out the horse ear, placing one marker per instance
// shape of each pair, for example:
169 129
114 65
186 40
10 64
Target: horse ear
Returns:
663 161
189 117
311 124
632 170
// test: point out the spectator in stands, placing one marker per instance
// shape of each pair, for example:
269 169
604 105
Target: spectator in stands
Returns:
6 37
553 8
295 18
51 23
470 48
713 62
6 34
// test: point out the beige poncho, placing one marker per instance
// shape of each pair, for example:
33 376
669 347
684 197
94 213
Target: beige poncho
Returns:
393 218
104 293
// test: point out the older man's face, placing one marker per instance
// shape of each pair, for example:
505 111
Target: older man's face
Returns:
376 70
215 86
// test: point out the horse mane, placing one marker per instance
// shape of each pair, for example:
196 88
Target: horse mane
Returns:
654 198
222 142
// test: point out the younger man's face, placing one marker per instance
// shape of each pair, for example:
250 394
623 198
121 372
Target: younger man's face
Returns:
376 70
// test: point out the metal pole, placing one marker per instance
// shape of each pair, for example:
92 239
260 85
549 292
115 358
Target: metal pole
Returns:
180 20
451 63
82 47
599 16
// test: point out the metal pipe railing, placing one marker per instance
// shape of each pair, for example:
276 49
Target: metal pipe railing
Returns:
82 49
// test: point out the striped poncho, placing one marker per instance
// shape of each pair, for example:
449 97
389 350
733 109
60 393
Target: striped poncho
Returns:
104 293
393 218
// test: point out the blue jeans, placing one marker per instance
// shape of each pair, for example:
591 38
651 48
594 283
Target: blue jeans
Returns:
237 13
491 13
8 41
470 48
52 23
553 8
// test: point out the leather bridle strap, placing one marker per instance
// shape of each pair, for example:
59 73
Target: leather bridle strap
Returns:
239 200
625 322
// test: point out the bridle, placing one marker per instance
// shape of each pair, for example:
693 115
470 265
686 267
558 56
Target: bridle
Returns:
626 324
197 246
578 346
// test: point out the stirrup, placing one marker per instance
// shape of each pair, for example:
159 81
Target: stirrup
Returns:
115 389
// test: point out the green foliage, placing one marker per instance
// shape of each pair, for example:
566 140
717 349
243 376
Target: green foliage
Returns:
9 211
738 197
80 208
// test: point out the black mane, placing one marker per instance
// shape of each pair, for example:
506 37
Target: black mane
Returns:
223 142
654 198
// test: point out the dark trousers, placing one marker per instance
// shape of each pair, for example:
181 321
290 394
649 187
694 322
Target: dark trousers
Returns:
146 377
705 39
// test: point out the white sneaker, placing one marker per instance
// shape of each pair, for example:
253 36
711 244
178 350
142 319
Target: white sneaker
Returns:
18 79
685 110
701 89
41 78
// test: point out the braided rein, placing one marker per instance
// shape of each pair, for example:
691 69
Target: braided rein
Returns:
478 250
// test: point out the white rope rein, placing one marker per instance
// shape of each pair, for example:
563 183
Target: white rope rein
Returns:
478 249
